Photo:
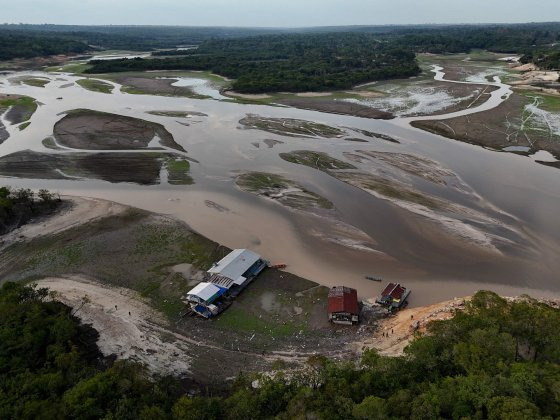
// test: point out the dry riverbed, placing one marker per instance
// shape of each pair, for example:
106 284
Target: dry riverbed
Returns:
125 271
311 205
99 145
393 177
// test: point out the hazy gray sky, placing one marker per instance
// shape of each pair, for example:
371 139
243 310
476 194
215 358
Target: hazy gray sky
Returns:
276 12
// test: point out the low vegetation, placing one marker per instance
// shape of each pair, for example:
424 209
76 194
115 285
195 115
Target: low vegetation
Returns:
495 360
35 81
23 126
283 190
316 160
290 127
21 108
178 171
95 85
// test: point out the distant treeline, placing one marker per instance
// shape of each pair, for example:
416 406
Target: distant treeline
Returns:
266 60
18 45
135 38
495 360
516 39
292 62
336 60
17 206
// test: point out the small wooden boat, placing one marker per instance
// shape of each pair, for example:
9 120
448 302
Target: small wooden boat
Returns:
280 265
374 278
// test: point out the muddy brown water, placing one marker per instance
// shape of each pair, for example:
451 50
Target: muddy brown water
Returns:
410 248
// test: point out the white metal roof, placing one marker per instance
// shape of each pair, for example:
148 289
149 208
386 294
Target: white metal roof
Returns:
235 264
204 291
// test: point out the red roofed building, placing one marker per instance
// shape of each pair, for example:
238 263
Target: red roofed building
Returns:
343 305
394 296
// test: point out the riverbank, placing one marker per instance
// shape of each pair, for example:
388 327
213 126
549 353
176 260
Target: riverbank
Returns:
125 271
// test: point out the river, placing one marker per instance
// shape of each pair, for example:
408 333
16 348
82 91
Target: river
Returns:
414 250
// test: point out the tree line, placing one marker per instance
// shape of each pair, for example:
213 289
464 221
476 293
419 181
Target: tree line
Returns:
292 62
17 206
544 59
495 360
334 60
17 45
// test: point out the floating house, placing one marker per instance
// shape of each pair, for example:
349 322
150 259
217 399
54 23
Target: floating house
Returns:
343 305
224 281
202 299
394 297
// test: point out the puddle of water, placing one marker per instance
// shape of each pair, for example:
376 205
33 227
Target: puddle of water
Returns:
268 301
199 86
516 149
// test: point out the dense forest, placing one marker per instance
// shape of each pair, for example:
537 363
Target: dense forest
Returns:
287 62
545 59
495 360
17 206
268 60
517 39
135 38
18 45
335 60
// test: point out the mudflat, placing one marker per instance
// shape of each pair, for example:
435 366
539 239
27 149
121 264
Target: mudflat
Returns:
94 130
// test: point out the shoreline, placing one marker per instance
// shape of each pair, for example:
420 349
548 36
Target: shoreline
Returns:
124 317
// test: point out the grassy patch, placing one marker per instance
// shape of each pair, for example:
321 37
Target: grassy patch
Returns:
317 160
49 143
35 81
290 127
178 171
75 68
239 319
25 106
257 181
24 125
549 103
95 85
282 190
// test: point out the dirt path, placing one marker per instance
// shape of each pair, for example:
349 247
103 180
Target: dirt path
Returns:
79 211
130 329
394 333
127 326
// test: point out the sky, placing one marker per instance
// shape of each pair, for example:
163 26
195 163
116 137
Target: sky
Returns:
276 13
